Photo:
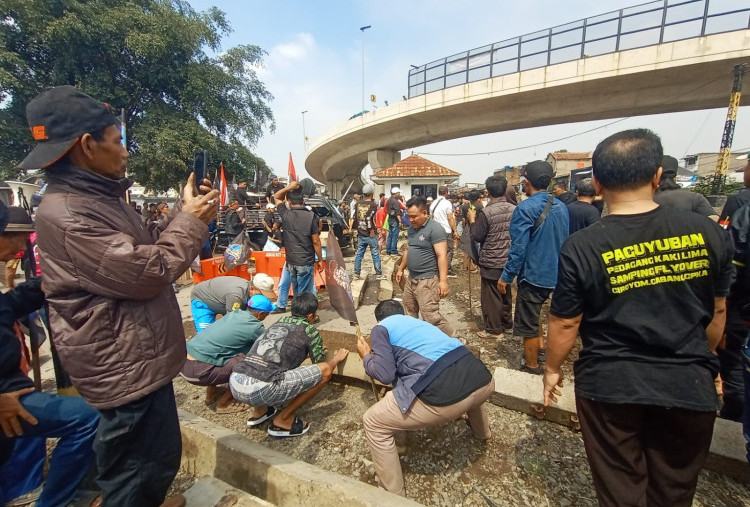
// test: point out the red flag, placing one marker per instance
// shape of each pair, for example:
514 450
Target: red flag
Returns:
292 172
338 285
223 190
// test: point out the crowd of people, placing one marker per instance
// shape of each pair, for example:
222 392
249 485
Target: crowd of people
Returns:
654 287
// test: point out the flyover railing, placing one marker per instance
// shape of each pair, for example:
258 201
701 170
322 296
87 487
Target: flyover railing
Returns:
633 27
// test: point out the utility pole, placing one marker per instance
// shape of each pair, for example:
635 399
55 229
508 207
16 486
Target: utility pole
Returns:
726 138
304 134
362 29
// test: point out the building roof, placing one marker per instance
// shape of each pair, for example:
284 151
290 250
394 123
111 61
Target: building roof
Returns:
564 155
415 166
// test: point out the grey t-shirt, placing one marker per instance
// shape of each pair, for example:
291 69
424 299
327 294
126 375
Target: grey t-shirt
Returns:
684 200
223 294
422 259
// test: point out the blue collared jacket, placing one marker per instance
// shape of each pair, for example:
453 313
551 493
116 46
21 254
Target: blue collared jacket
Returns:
533 258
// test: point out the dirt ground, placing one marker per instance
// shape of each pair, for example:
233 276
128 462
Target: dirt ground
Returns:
527 461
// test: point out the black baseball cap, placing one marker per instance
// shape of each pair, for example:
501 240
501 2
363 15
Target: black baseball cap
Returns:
668 166
14 219
58 117
536 170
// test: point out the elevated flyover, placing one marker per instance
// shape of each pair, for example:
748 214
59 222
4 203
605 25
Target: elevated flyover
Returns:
690 73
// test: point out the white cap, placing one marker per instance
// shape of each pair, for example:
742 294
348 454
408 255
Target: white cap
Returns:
395 190
270 205
368 189
262 281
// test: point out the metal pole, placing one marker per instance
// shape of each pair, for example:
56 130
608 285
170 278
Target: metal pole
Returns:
362 29
726 138
304 135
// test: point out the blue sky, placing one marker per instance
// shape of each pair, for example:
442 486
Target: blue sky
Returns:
314 64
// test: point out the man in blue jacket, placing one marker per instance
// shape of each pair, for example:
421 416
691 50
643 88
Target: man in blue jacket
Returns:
538 227
435 379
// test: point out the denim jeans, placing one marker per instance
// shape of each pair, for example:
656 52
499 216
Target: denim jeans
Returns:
301 278
74 422
362 243
138 450
391 245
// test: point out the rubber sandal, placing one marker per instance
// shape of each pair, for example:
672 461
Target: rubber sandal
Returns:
270 412
26 499
299 428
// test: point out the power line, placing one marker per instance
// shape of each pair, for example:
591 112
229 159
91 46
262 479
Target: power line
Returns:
560 138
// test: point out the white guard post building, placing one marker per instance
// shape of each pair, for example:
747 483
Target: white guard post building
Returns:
415 176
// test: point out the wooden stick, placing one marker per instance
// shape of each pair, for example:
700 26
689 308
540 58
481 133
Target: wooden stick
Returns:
372 382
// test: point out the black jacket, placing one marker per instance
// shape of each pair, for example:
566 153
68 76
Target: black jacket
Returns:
15 304
233 223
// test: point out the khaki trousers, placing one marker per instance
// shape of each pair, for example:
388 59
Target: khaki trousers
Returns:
423 296
384 419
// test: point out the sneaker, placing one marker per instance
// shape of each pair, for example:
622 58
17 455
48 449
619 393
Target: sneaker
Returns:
356 277
534 371
380 277
452 275
279 309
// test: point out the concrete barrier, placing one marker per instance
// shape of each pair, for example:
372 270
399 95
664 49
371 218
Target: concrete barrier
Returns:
211 492
522 392
210 449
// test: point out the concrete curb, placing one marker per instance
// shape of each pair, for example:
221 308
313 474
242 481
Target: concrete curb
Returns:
210 449
211 492
522 392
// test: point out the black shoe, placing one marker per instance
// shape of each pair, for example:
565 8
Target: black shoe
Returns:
279 310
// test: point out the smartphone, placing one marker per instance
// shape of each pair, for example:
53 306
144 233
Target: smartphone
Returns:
199 168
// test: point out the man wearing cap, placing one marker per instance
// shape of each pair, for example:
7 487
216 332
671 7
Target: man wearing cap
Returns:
25 412
538 227
367 232
672 195
273 187
115 322
393 208
213 352
224 294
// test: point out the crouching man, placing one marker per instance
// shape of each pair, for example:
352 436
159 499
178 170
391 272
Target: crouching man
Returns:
271 373
212 353
224 294
435 379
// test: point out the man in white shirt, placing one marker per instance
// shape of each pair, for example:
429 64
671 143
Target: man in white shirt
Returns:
441 210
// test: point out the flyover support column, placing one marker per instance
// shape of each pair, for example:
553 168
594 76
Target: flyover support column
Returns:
380 159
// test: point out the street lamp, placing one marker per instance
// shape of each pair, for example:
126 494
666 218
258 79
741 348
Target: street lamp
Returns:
362 29
304 134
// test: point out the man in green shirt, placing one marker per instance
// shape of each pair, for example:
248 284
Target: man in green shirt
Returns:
213 352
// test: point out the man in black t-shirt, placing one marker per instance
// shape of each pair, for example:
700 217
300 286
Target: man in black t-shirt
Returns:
301 234
582 213
565 196
730 355
646 285
273 188
367 235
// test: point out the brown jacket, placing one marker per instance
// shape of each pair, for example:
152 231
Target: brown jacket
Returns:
114 317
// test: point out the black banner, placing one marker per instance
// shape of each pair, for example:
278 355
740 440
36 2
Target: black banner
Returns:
338 284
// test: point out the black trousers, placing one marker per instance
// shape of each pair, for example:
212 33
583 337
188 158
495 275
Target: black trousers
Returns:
496 307
138 449
643 454
731 365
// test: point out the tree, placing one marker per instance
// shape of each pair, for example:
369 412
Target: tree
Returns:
149 57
